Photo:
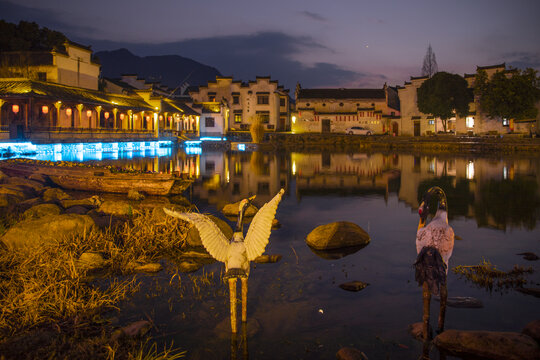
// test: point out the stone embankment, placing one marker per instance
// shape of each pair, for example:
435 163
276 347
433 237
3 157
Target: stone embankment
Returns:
437 143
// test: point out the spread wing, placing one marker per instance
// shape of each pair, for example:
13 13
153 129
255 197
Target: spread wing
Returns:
261 225
212 237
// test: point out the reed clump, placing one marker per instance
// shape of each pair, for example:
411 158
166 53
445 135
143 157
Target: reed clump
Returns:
48 291
486 275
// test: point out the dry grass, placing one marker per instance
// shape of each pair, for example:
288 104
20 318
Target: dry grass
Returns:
486 275
48 290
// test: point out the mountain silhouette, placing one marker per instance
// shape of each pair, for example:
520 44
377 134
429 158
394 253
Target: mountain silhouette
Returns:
170 70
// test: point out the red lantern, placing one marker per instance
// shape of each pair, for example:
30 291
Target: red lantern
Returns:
170 118
121 116
45 109
15 108
89 113
68 111
106 114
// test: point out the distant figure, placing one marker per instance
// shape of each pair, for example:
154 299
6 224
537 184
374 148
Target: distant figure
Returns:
236 253
434 245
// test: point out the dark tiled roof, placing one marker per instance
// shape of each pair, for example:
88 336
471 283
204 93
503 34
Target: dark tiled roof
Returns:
341 94
503 65
55 92
419 77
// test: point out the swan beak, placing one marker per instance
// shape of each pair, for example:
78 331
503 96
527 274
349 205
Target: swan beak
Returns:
251 198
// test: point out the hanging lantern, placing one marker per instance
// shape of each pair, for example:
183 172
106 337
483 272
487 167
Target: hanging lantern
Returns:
106 114
135 117
170 118
147 118
121 116
160 117
68 111
15 109
89 113
45 109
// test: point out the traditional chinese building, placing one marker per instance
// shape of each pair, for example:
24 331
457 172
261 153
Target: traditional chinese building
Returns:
335 110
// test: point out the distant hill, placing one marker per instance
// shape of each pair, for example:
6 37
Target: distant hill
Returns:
170 70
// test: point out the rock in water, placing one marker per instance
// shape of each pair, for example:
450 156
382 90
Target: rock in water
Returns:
529 256
232 210
337 235
416 330
349 353
489 344
533 330
135 195
354 285
529 291
136 329
42 210
30 234
188 266
55 194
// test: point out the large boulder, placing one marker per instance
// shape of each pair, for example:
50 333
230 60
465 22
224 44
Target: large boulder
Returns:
42 210
489 344
9 200
232 210
32 233
90 202
55 195
21 192
117 207
193 238
337 235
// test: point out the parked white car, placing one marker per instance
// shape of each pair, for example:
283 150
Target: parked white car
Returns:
358 130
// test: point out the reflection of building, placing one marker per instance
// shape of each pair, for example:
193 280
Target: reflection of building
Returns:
416 123
343 173
335 110
263 98
226 178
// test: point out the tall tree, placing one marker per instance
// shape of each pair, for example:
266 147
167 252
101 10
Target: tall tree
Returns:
429 67
444 95
508 94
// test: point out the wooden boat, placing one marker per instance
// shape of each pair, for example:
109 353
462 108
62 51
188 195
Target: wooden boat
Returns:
75 176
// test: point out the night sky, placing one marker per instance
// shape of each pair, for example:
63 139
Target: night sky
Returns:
317 43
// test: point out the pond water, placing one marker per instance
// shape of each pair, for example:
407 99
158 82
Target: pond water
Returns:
296 309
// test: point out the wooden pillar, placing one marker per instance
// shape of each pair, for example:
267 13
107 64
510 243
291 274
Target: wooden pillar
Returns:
129 120
98 118
115 111
79 110
156 125
2 102
57 105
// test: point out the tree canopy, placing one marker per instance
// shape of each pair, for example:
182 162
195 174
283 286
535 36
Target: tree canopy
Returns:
27 36
444 95
508 94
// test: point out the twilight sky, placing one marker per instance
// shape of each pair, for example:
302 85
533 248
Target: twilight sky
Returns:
342 43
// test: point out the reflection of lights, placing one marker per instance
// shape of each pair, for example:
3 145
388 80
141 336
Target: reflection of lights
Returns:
505 173
228 176
294 168
242 147
193 150
192 143
210 138
469 171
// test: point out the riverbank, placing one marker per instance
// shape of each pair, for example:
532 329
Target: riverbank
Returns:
426 144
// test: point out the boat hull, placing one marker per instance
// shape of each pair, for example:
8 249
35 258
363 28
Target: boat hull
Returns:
100 179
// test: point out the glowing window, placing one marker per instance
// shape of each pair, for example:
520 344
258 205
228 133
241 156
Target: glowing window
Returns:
469 121
505 122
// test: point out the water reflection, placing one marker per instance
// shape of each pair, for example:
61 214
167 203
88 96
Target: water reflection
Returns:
498 193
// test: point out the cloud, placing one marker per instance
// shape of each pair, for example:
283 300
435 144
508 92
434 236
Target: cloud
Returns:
522 59
313 16
260 54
